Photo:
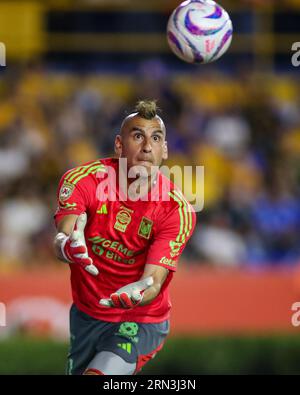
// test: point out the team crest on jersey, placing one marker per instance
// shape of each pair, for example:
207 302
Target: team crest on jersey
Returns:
66 191
123 219
175 248
145 228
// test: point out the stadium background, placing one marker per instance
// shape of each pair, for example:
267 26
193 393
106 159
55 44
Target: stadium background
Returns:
72 69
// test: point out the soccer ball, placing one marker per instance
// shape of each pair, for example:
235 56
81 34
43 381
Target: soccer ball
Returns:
199 31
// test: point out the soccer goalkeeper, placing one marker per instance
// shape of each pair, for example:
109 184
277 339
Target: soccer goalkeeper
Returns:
122 248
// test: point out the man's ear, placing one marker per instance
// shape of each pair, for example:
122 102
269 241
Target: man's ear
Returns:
118 145
165 151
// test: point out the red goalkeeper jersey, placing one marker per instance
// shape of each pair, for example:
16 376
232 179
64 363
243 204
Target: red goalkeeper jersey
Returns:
122 236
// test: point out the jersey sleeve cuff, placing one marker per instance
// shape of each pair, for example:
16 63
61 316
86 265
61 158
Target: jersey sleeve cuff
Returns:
165 262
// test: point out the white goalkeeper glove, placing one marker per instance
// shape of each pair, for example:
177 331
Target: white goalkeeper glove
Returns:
74 249
129 296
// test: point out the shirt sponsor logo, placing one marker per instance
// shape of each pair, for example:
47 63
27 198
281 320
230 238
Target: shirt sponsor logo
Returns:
145 228
66 191
123 219
115 257
166 261
113 245
97 250
103 247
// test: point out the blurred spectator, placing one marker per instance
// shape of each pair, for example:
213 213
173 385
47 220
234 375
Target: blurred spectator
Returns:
217 243
276 218
229 132
21 217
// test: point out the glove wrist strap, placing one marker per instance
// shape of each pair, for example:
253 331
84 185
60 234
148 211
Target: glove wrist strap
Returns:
63 240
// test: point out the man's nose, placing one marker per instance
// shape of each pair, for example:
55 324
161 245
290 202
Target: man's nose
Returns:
147 146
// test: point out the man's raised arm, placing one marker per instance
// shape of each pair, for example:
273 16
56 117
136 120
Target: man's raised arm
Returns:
69 243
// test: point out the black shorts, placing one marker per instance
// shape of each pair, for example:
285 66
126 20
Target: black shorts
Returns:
134 342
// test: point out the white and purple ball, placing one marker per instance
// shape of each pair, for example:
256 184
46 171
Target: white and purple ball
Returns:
199 31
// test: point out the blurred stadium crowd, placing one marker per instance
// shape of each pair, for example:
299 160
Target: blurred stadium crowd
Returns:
244 129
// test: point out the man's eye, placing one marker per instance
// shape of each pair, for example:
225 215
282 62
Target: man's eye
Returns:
156 138
138 136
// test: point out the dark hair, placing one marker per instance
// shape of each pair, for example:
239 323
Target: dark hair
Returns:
146 108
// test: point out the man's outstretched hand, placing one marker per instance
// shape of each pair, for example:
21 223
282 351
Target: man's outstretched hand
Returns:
74 248
129 296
